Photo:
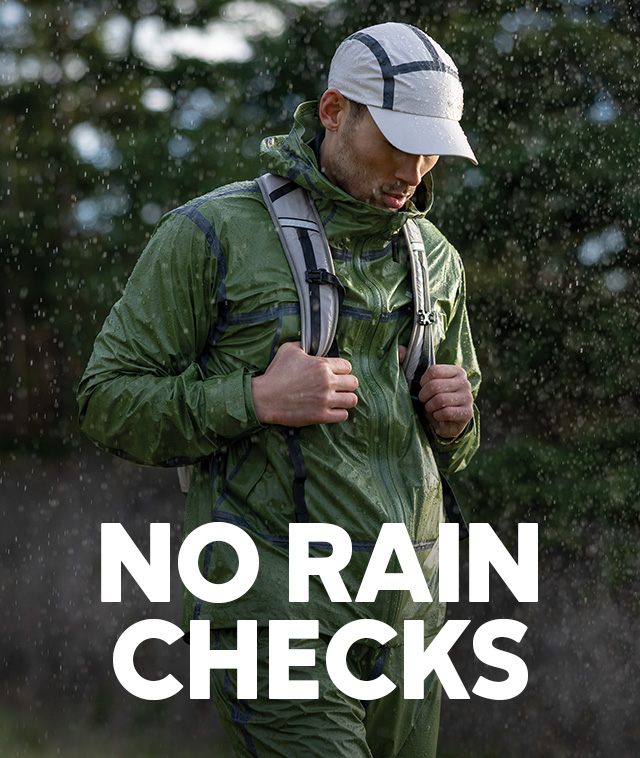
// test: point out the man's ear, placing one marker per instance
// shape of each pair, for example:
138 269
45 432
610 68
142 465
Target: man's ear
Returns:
333 109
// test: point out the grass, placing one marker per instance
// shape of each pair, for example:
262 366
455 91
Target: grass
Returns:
22 736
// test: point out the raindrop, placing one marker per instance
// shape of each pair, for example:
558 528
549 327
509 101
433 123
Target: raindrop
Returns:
291 102
94 146
543 21
250 148
52 73
179 146
503 43
510 23
615 281
30 68
83 21
151 213
613 240
263 83
601 247
525 16
157 99
473 178
254 19
147 43
74 67
315 3
535 145
147 6
14 24
86 213
12 14
590 251
211 105
115 35
9 73
188 118
604 110
186 7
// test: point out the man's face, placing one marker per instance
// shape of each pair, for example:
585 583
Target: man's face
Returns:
363 163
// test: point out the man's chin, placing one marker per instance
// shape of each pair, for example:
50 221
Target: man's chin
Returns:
379 201
381 207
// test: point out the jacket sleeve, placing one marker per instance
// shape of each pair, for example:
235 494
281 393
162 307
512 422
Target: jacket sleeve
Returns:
143 395
456 348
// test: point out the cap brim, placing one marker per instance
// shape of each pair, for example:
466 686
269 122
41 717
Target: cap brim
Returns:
422 135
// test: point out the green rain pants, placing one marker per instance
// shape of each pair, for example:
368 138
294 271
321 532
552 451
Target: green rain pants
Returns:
335 724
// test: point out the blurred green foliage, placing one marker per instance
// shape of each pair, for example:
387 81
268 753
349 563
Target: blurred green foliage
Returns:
102 132
101 136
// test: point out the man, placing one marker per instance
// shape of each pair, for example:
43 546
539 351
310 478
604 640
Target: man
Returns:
200 362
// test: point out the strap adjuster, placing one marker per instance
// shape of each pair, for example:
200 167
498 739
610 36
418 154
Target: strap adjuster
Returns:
321 276
425 318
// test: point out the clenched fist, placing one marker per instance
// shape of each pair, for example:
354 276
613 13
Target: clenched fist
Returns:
298 389
448 402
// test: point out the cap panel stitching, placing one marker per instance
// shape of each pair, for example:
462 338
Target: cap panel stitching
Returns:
407 68
389 71
424 38
386 67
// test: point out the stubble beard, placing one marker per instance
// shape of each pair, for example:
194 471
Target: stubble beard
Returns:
346 173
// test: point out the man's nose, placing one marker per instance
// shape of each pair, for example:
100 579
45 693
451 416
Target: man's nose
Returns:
411 169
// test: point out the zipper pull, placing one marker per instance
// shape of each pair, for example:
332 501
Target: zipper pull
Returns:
394 248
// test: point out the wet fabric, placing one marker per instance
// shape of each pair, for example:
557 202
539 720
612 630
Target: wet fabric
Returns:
333 725
207 306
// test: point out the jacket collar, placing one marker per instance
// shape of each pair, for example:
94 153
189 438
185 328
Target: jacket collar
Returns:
343 216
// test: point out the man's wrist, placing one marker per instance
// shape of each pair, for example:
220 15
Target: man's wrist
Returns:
257 397
449 440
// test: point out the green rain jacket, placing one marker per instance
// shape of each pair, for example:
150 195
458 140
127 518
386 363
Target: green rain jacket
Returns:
205 309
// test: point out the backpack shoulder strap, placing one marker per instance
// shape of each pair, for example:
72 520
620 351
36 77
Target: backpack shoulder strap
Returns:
420 350
301 233
305 245
421 353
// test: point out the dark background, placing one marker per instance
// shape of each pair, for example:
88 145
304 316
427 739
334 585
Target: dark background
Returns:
102 133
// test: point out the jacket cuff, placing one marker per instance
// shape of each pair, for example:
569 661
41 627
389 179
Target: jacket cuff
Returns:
239 416
444 445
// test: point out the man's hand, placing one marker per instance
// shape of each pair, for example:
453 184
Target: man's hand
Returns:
447 398
299 389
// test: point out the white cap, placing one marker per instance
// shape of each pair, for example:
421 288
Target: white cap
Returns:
409 84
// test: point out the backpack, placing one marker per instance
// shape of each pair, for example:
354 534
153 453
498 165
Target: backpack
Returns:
320 294
301 233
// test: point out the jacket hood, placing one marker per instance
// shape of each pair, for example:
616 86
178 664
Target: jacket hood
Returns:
344 217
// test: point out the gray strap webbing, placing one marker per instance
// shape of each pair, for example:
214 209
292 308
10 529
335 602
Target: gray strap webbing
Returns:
184 477
300 229
420 350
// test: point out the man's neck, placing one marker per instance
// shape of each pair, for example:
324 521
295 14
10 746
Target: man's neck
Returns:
317 146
